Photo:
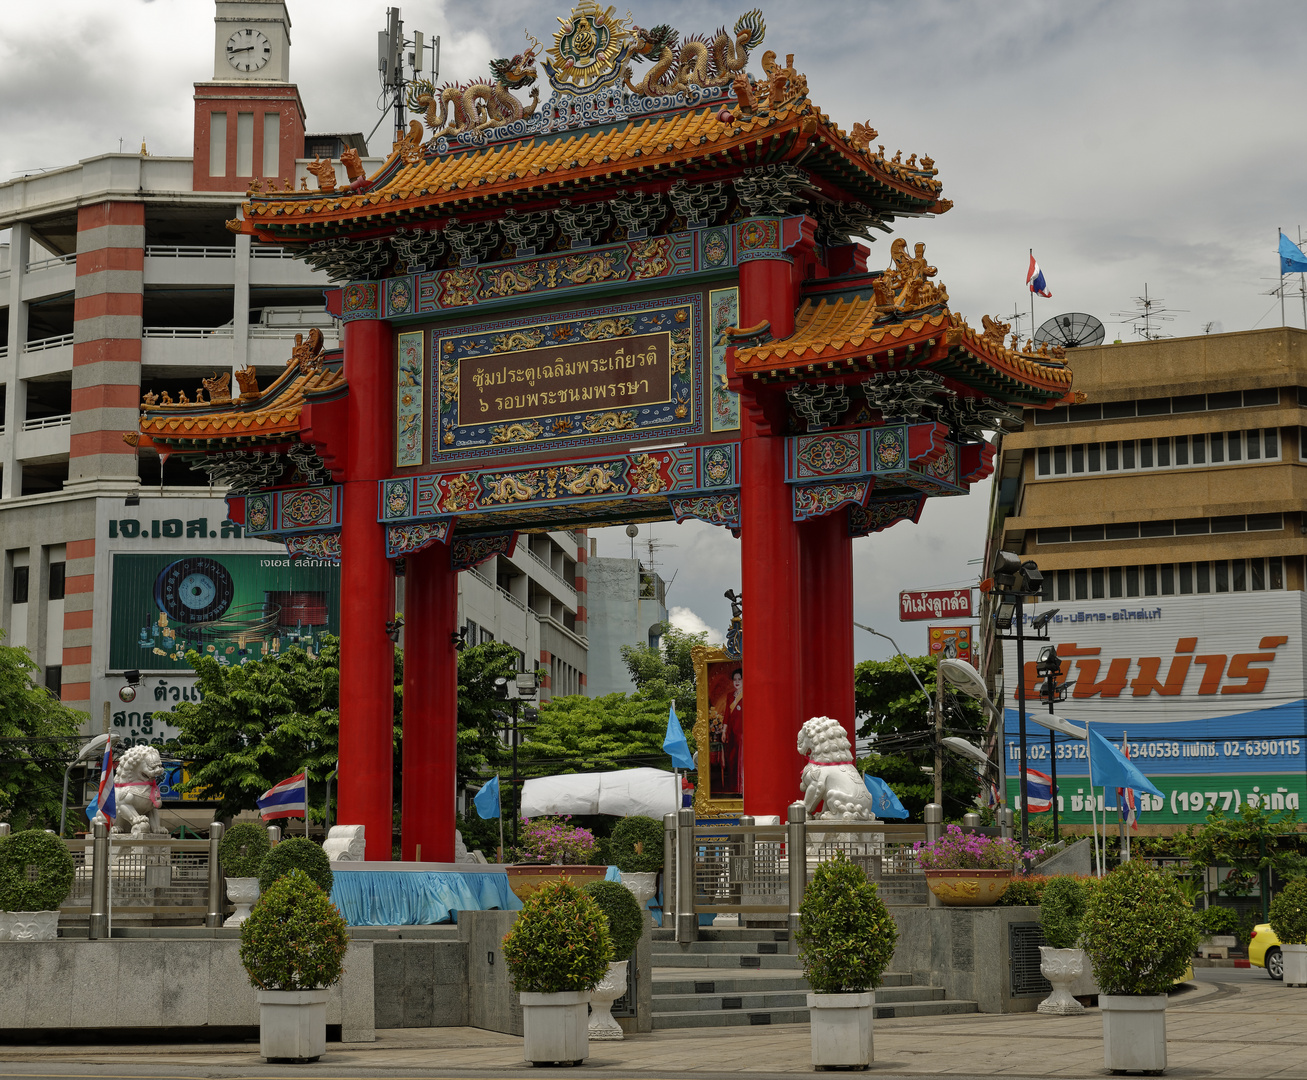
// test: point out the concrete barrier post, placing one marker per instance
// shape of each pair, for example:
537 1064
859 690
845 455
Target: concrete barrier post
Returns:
98 926
4 828
796 843
274 835
687 919
669 867
214 917
1005 822
934 817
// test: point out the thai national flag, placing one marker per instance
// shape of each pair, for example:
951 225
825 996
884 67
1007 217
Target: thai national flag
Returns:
1039 791
284 800
1035 278
1127 794
108 805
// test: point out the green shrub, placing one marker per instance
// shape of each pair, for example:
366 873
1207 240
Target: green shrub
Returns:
243 848
294 939
1289 913
1247 920
1024 891
54 871
558 942
846 935
1062 911
1218 920
297 853
625 917
1138 931
636 846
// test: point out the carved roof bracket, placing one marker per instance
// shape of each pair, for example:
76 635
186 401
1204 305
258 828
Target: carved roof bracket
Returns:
971 417
836 222
911 395
418 249
348 260
471 241
242 473
528 233
312 469
700 204
819 404
772 190
582 224
638 212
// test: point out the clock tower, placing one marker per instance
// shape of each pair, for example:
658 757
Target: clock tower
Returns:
249 121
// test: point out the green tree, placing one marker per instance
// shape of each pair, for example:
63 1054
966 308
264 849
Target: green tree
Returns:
666 673
1254 843
38 736
480 708
893 711
581 734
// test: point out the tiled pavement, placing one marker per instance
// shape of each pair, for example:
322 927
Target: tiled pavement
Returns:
1248 1030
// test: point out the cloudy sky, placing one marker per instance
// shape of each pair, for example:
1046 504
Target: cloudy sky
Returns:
1130 144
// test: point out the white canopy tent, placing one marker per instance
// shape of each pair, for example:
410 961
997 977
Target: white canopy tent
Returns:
651 792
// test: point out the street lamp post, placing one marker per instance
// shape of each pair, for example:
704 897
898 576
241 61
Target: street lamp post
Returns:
1049 666
522 686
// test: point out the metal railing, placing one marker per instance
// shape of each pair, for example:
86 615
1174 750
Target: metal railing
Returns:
188 251
260 252
186 332
41 344
54 260
42 422
752 869
330 336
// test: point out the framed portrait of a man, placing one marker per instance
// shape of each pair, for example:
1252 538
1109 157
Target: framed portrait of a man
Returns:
719 732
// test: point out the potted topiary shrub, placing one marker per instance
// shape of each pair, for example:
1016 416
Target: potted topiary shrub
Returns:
548 850
242 850
557 952
1289 922
293 947
298 853
636 847
1140 933
625 925
1062 961
1219 926
36 875
846 940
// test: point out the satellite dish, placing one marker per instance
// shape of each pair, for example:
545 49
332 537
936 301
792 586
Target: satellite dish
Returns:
633 531
1071 330
966 749
1056 723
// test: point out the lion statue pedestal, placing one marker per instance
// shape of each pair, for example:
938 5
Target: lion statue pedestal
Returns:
831 780
136 793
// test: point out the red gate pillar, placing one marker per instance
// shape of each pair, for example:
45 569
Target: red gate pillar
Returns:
826 592
769 556
367 593
430 705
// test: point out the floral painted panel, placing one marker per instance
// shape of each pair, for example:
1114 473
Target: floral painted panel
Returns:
410 378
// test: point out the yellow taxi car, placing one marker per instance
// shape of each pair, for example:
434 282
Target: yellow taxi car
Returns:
1264 951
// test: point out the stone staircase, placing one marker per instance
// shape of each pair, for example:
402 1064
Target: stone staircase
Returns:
733 977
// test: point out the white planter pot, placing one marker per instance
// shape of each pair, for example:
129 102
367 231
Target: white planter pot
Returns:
1134 1032
554 1027
29 925
1295 964
603 1028
644 886
841 1029
292 1024
243 892
1061 967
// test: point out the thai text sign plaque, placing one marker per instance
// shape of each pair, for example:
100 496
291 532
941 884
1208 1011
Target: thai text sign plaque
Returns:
934 604
613 374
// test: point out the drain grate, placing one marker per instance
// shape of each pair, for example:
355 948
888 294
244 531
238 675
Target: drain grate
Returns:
757 1019
705 988
1024 940
768 948
733 1003
751 961
884 1013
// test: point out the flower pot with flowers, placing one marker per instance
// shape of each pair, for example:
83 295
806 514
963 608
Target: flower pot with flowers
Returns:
1289 921
966 869
1140 934
558 951
846 940
548 850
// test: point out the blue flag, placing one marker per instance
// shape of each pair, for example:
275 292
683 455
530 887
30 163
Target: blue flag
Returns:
674 742
1292 261
487 799
1112 769
883 800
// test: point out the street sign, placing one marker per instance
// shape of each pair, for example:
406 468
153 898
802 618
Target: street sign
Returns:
918 604
950 643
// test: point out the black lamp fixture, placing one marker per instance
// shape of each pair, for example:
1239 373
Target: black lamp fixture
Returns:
458 638
394 626
127 694
1040 622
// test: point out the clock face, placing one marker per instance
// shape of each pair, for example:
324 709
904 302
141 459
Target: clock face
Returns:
248 50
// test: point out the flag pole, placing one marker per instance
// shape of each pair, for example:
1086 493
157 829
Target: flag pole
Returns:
1279 241
500 801
1093 800
1030 289
676 775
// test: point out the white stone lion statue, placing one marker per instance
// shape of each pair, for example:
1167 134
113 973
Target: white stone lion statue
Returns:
136 792
831 777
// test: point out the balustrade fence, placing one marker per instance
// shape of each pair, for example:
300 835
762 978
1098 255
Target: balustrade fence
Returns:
749 869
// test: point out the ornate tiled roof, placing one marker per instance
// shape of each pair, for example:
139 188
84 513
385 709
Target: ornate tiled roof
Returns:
255 418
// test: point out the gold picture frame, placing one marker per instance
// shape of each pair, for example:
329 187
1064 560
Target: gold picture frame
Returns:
708 661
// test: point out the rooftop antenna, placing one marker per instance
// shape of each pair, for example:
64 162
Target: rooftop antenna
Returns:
654 547
391 45
1015 318
1148 312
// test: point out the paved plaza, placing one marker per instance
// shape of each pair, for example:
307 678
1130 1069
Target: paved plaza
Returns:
1226 1024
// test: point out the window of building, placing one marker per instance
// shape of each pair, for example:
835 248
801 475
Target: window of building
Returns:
271 144
1183 451
1132 530
1171 579
1185 403
56 591
486 636
245 144
54 679
218 144
20 585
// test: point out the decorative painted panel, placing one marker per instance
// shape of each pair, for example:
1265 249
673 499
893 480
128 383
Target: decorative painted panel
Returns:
723 509
406 539
880 514
359 301
599 376
835 454
475 550
273 513
410 383
820 499
723 312
317 545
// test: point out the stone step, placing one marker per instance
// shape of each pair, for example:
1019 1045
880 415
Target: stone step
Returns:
760 1017
701 948
781 961
761 999
723 933
759 982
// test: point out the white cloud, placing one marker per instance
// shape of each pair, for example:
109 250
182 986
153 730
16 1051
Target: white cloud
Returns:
685 619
